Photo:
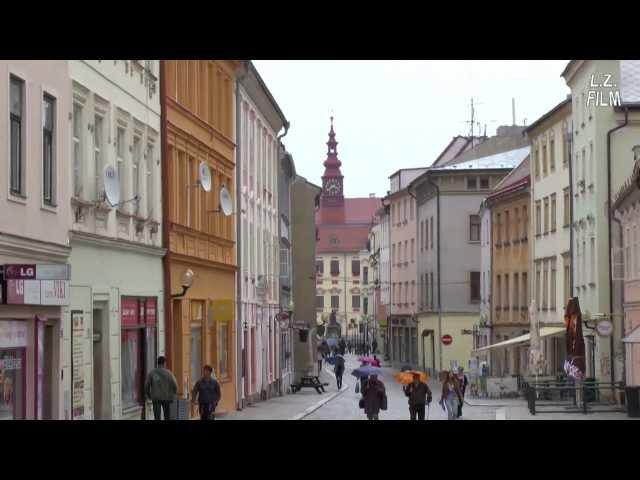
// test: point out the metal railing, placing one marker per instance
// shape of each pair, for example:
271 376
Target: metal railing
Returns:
577 396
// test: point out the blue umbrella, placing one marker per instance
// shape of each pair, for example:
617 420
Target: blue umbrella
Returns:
332 342
366 371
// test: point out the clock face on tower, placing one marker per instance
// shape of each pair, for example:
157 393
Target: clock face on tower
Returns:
332 186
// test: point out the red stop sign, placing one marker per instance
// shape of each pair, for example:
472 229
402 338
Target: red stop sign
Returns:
447 339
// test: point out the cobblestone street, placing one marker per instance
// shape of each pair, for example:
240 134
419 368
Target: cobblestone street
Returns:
343 405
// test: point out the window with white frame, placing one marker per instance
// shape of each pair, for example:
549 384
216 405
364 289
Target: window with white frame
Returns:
98 152
16 135
284 262
150 160
135 169
77 150
120 159
48 149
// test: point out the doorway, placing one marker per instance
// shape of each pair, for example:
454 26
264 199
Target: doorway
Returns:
50 369
99 336
13 381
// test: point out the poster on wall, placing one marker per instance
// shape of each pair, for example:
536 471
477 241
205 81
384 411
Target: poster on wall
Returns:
574 365
77 352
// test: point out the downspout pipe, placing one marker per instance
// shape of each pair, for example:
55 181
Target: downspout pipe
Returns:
415 217
609 217
279 138
166 267
435 185
239 337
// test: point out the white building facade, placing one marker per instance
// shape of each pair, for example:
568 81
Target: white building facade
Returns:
117 294
551 216
260 122
594 119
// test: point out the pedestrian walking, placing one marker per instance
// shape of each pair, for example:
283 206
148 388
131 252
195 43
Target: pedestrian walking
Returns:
463 381
451 394
376 362
419 396
206 393
374 346
319 358
349 349
374 398
338 369
161 388
342 346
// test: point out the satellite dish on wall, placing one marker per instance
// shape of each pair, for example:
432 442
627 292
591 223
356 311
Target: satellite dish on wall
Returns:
204 177
226 204
111 185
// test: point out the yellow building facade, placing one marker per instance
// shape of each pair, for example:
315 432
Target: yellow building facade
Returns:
198 121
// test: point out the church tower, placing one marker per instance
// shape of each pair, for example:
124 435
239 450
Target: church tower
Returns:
332 196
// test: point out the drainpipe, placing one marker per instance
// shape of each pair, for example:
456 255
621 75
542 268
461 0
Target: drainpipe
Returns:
166 268
439 343
279 143
240 336
570 142
609 217
415 217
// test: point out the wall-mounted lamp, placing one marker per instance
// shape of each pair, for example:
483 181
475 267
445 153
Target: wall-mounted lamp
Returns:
187 281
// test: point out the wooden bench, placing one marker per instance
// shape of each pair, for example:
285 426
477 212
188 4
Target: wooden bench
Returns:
310 381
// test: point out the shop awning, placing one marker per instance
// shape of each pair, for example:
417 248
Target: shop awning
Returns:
633 337
544 332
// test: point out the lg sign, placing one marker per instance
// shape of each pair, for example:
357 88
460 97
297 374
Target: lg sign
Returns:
20 271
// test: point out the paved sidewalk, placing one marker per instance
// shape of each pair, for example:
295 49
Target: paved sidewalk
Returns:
294 406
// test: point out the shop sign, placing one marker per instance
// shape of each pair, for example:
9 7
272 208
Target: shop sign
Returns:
23 292
56 271
20 272
151 313
604 328
129 311
78 370
13 334
37 292
54 292
53 272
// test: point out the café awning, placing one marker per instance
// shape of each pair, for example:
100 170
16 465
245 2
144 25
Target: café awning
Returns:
544 332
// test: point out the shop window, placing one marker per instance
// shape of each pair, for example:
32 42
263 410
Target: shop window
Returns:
223 350
12 383
138 347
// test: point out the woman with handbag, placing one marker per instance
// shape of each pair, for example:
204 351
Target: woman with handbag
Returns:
451 394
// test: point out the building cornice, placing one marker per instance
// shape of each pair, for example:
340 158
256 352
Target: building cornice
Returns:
13 245
198 261
116 244
571 69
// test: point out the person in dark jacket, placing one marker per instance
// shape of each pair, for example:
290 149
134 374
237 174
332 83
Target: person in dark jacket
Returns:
338 369
161 387
463 381
374 346
374 396
419 395
206 393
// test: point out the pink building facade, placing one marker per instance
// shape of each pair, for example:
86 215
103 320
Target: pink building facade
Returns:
626 268
402 323
35 376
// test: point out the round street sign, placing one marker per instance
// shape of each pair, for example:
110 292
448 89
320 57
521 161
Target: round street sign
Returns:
447 339
604 328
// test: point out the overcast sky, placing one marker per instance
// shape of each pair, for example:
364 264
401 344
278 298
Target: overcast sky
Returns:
400 114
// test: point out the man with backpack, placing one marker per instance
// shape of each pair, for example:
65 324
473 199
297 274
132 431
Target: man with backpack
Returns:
206 393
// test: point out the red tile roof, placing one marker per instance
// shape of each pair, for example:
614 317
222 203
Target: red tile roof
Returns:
350 238
353 234
358 210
